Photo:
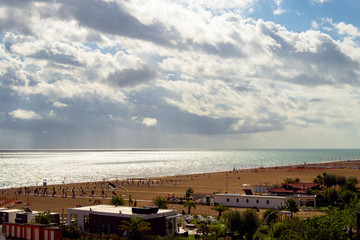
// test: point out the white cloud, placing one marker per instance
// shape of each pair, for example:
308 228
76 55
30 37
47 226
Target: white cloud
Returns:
314 25
320 1
149 122
24 114
60 105
279 9
203 62
347 29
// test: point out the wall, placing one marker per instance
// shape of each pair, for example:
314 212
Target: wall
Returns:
249 201
110 224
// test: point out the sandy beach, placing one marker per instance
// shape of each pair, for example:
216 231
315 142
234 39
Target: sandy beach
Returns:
144 191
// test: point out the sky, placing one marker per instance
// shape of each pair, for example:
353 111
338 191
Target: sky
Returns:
194 74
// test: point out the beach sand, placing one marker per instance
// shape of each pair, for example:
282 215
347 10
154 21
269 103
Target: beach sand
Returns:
145 190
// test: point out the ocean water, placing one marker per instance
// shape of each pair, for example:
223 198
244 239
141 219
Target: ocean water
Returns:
29 168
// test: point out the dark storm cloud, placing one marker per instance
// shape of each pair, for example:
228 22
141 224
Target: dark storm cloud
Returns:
131 77
222 49
111 18
16 3
56 56
18 15
246 87
178 121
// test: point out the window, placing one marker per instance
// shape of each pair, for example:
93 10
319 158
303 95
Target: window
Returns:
227 199
267 201
257 200
237 200
247 200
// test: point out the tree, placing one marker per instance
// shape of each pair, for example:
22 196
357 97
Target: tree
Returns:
291 229
329 180
347 195
292 206
290 180
332 196
117 201
190 204
160 202
71 232
216 231
341 180
250 222
271 214
204 228
233 222
351 184
319 179
241 225
189 192
43 218
135 227
220 209
279 230
330 226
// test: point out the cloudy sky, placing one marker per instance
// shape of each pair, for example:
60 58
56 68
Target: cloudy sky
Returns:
179 74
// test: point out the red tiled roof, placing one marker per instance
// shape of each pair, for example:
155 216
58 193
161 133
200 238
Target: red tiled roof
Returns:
303 186
280 190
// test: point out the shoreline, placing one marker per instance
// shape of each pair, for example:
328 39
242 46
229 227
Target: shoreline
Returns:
308 165
145 190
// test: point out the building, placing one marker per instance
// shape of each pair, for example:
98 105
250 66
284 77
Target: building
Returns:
9 215
24 215
107 218
30 231
203 198
250 201
262 201
293 189
19 224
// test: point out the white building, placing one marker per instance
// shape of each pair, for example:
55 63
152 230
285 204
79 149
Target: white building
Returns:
249 201
24 215
107 218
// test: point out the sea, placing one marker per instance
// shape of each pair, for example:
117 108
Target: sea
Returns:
20 168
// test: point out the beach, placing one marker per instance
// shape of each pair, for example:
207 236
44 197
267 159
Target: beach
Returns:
57 198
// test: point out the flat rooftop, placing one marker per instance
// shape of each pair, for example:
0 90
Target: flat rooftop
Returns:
5 210
116 211
252 196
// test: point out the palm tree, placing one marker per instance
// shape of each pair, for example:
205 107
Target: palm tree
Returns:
135 227
292 206
160 202
43 218
117 201
190 204
220 209
189 192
